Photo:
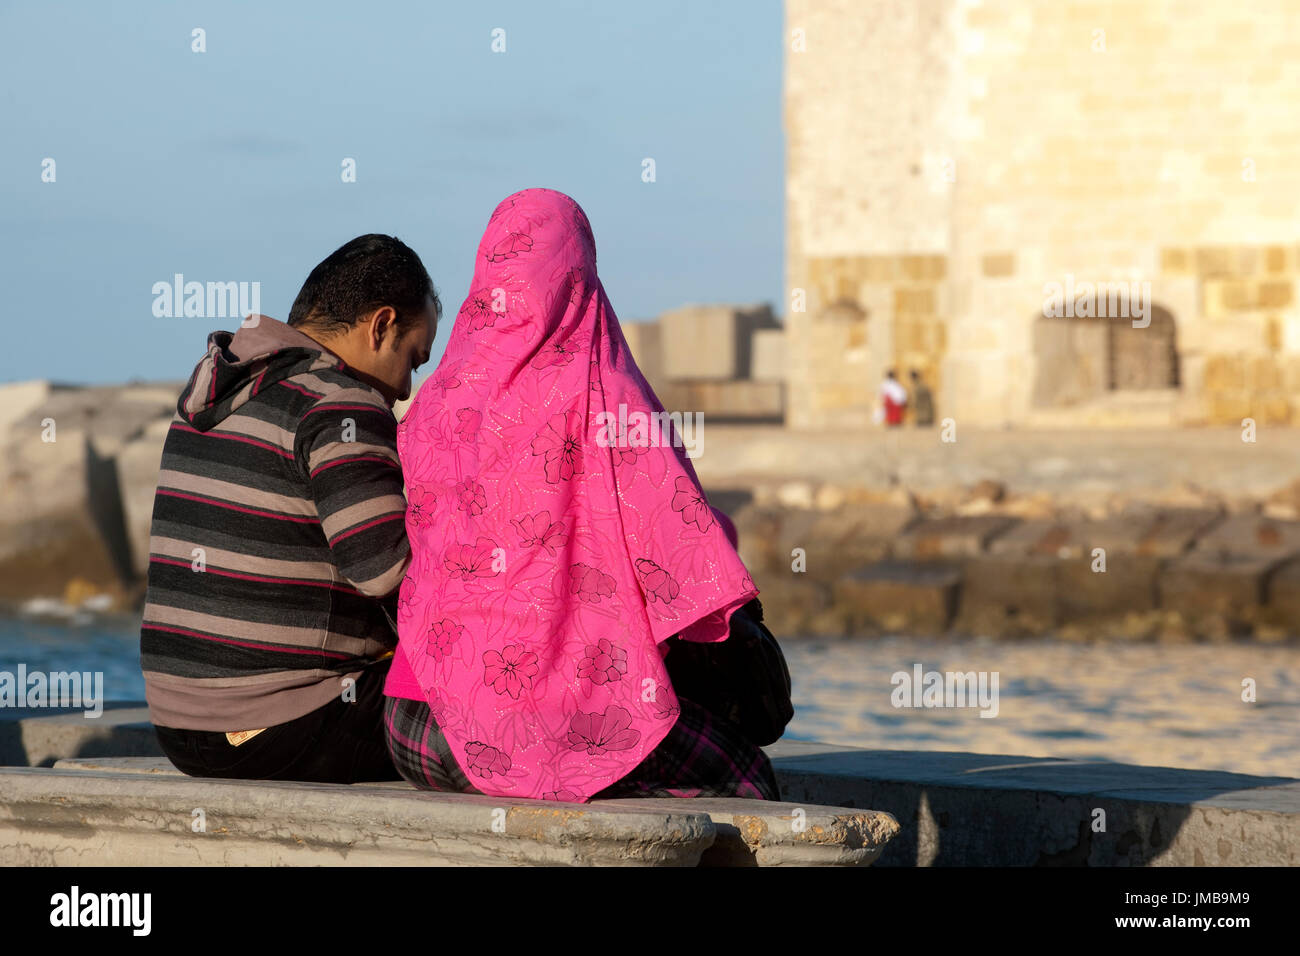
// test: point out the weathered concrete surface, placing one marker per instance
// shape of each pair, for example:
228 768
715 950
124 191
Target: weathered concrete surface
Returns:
962 809
750 832
770 833
38 737
952 809
89 818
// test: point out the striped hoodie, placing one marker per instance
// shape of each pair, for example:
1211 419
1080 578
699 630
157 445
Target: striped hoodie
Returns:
278 535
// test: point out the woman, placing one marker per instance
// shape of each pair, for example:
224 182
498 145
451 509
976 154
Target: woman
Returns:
552 555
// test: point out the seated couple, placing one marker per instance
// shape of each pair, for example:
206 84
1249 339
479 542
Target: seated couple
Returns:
538 577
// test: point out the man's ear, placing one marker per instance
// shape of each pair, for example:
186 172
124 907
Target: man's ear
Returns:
378 328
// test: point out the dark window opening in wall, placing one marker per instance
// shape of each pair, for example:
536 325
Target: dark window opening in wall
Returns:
1079 360
1143 358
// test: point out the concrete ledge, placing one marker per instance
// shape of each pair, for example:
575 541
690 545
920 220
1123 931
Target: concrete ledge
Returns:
135 821
953 809
963 809
91 818
31 737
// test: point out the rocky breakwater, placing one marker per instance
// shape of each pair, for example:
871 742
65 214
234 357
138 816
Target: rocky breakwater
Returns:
77 478
849 561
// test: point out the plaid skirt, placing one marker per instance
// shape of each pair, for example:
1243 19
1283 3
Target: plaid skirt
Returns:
703 755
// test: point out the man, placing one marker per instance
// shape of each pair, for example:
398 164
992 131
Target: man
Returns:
923 401
278 540
893 399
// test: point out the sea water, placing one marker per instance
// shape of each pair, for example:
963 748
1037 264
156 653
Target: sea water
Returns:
1233 707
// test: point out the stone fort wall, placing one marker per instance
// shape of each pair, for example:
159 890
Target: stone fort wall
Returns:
948 159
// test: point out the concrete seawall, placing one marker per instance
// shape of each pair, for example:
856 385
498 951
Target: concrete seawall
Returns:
952 809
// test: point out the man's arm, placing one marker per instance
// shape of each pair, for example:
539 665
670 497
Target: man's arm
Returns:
347 451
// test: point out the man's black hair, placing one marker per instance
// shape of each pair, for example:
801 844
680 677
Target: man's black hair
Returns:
360 276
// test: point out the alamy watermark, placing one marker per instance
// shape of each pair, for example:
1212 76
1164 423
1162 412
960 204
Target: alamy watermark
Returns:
1099 300
210 300
639 429
75 908
83 689
946 689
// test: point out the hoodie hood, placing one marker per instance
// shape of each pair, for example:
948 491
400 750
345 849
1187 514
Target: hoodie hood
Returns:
239 365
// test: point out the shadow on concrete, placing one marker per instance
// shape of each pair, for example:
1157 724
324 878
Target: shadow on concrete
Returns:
37 737
964 809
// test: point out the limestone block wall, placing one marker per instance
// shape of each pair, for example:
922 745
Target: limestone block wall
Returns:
869 117
1020 144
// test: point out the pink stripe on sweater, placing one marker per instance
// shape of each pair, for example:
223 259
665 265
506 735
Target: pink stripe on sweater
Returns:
315 651
336 585
246 440
233 507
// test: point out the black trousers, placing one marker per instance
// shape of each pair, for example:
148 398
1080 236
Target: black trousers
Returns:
341 742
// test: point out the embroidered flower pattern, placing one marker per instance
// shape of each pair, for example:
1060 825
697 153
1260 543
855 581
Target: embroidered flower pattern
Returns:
689 500
510 671
509 410
445 380
484 761
563 796
404 595
552 355
510 246
658 583
597 733
663 708
419 506
443 634
539 531
590 584
479 310
467 561
467 424
603 662
560 442
470 497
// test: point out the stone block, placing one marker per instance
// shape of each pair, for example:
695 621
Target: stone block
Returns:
644 339
952 537
1217 597
1282 599
1128 585
61 517
725 400
137 477
1275 294
999 265
1252 537
769 359
19 399
1009 596
899 597
711 342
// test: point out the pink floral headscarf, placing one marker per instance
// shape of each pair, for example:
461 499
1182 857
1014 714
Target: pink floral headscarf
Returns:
549 557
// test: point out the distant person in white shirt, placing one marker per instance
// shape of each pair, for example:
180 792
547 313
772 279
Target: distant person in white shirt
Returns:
893 400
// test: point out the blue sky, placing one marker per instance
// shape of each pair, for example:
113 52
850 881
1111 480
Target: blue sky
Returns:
225 165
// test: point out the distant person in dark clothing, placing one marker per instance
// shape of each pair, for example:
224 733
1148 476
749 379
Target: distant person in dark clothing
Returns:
922 401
